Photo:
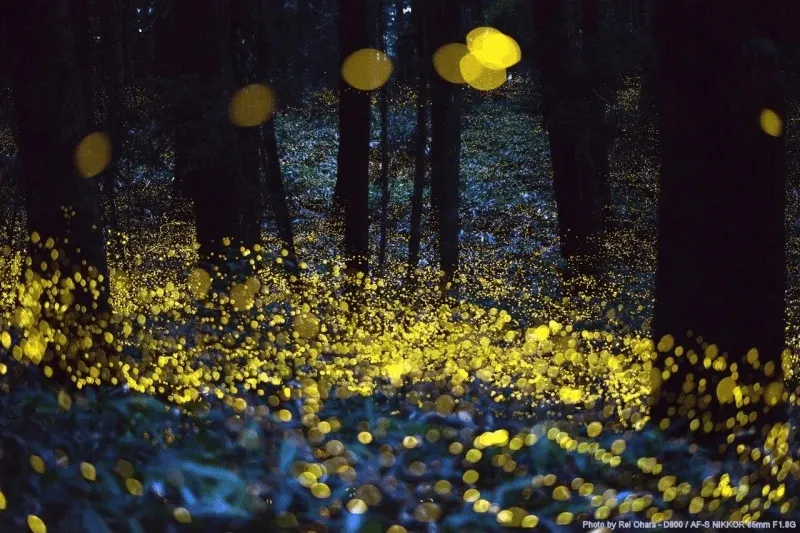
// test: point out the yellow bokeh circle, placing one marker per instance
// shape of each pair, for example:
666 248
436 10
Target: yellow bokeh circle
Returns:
493 49
199 282
489 80
35 524
771 123
447 62
367 69
252 105
478 76
93 154
470 68
479 32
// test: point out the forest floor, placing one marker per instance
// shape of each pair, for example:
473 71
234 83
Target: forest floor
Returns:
293 406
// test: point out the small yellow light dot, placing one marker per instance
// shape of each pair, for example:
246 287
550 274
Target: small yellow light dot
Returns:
88 471
182 515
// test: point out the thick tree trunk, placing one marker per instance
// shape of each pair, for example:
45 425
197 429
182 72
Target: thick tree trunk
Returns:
574 119
721 252
81 29
600 135
245 33
384 179
275 189
423 66
352 180
52 117
445 16
197 46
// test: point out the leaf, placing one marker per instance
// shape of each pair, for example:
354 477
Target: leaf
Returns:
373 525
135 526
188 497
217 508
286 455
227 483
353 521
94 522
369 411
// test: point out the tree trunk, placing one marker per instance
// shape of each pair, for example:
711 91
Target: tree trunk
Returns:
384 179
245 33
207 157
275 189
445 15
82 30
114 59
352 180
401 70
576 144
52 117
600 135
417 12
721 251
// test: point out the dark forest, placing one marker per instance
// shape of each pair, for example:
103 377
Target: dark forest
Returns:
399 265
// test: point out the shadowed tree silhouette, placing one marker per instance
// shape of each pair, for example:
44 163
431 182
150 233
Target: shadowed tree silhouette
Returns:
52 118
352 179
421 136
721 256
574 116
445 17
195 44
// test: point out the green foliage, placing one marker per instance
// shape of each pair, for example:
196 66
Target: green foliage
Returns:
228 482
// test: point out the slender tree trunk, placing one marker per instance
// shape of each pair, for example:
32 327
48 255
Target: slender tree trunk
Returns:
577 147
445 15
418 14
275 189
721 251
52 118
403 48
352 180
384 179
114 59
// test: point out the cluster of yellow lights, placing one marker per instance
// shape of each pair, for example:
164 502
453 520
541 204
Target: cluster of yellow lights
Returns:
482 62
451 345
250 106
547 362
341 346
